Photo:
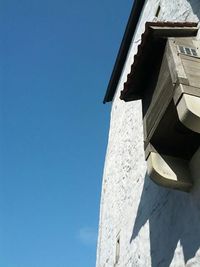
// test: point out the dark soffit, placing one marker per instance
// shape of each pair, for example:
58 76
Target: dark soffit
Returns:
123 50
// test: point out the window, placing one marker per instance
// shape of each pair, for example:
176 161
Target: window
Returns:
188 51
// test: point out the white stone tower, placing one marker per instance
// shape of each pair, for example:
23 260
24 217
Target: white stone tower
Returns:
141 223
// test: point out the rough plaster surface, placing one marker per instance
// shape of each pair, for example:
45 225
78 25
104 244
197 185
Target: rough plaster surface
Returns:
157 226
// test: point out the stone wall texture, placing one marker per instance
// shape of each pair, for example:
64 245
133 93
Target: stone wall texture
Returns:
157 226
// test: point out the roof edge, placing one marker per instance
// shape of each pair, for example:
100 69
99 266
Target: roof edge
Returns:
123 50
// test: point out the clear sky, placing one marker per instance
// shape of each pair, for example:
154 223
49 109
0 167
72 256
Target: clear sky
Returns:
56 58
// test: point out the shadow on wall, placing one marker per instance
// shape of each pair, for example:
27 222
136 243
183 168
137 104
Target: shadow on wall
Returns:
174 217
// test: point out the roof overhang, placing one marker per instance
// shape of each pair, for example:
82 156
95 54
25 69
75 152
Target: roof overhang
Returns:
124 48
150 53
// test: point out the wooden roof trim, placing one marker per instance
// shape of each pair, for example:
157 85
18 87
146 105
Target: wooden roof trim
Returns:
156 30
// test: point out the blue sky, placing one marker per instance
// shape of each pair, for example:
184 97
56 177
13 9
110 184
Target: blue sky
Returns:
56 60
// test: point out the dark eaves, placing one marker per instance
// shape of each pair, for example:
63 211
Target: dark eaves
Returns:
124 48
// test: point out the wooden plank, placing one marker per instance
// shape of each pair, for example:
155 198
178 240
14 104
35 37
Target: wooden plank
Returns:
174 31
156 111
178 66
157 98
164 90
188 42
181 89
192 69
148 149
171 63
190 58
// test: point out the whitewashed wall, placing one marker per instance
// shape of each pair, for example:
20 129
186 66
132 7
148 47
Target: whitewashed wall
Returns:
157 226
